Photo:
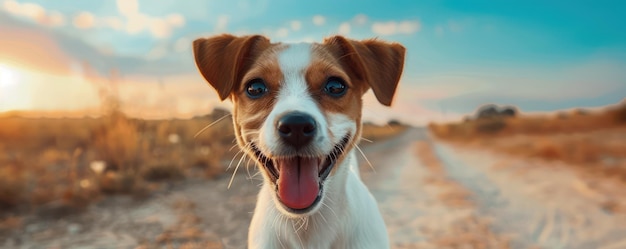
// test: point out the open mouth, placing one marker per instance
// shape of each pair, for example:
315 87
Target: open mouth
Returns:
299 180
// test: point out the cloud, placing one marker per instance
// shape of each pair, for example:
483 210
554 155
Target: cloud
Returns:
282 32
84 20
182 44
296 25
34 12
53 52
396 28
454 26
344 28
37 51
56 19
136 23
132 21
157 52
405 109
12 7
319 20
160 28
222 23
176 20
127 7
141 97
593 83
112 22
360 19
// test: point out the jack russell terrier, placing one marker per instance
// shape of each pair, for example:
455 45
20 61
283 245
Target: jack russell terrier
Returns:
297 113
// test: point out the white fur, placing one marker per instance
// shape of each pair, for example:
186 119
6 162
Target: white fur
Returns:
293 96
347 216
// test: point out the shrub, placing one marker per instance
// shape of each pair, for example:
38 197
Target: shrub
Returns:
117 143
162 171
113 182
620 113
487 111
12 186
492 125
508 111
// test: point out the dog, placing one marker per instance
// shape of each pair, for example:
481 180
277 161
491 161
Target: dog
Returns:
297 113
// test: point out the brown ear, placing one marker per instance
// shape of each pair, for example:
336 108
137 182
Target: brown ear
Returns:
224 59
378 63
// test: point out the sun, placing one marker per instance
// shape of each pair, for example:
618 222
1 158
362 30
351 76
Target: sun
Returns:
8 76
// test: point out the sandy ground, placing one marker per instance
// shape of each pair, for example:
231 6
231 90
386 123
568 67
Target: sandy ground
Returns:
459 198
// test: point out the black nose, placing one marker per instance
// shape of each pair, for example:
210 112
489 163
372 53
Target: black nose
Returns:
296 129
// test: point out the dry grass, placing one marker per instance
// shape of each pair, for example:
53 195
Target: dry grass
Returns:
76 161
592 141
376 133
70 162
47 160
576 121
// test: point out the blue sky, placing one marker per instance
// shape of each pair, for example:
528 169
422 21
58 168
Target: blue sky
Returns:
538 55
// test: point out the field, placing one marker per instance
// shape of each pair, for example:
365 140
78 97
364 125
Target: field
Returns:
593 141
61 165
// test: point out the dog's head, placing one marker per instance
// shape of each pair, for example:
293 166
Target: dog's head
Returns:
297 107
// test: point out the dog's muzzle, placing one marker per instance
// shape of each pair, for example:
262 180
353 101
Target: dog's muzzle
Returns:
296 129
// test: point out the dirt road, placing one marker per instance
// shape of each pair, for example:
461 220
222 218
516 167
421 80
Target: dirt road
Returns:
472 199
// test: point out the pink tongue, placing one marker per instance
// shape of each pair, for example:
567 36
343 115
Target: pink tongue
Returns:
298 181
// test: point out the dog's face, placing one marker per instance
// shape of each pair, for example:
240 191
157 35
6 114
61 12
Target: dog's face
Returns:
297 107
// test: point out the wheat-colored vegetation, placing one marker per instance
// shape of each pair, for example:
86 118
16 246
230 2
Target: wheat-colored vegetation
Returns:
594 141
375 133
74 161
70 162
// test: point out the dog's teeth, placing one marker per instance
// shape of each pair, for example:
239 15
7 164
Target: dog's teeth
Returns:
276 165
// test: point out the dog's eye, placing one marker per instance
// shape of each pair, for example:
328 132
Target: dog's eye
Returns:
256 88
335 87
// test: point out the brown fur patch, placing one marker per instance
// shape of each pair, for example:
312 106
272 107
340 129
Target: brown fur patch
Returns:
251 113
223 59
228 63
372 62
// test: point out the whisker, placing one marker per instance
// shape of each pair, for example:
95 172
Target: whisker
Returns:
234 146
367 160
255 174
235 171
211 124
331 209
323 218
293 223
366 140
248 167
231 160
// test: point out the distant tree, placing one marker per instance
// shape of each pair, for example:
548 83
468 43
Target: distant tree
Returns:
508 111
394 122
621 112
487 111
581 111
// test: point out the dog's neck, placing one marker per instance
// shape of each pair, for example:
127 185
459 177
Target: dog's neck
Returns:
321 226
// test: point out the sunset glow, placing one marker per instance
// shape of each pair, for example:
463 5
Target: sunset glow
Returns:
8 77
61 56
14 92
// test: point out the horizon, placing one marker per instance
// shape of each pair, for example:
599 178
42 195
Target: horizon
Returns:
540 57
